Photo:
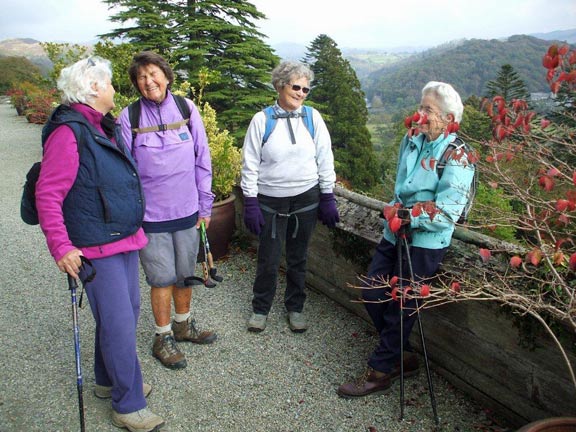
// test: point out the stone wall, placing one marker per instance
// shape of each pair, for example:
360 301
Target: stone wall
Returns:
474 345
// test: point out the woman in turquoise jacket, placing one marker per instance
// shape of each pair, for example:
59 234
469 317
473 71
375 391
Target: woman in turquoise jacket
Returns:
425 208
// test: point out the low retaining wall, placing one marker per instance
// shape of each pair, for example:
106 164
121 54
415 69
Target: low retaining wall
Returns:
474 345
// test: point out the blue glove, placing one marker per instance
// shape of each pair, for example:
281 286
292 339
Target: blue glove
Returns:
327 211
253 218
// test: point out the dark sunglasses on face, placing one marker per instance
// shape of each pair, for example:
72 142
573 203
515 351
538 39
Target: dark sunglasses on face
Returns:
296 87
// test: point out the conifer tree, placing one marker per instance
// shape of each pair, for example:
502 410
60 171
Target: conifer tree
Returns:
220 35
337 94
507 84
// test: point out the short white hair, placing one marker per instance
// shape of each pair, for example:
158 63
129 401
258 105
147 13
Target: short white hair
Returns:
76 81
288 70
448 99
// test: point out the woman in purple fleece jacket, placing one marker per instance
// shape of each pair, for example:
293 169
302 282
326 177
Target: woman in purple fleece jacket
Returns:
173 160
90 204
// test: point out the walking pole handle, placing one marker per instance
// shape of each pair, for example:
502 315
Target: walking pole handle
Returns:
72 283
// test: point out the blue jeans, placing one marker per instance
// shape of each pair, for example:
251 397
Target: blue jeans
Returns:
114 297
386 315
270 246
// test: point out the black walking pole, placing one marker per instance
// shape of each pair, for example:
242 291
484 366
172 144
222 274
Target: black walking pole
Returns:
401 235
421 329
72 286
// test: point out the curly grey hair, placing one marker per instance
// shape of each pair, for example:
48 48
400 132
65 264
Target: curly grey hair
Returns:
448 99
76 81
287 71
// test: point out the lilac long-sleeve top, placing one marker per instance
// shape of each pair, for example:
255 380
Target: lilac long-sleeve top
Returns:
174 165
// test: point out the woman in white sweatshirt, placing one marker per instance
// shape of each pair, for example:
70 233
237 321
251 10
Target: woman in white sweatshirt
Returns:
287 180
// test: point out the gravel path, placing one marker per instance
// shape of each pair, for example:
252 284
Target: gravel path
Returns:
274 381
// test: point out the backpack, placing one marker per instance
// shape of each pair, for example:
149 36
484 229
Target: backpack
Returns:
28 210
272 118
134 110
458 145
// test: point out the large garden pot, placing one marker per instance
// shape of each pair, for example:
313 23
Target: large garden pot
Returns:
222 226
554 424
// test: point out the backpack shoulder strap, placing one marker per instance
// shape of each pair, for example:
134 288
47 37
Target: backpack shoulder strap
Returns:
270 123
452 146
134 116
308 119
183 106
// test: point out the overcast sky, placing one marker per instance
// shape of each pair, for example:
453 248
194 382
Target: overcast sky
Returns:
352 24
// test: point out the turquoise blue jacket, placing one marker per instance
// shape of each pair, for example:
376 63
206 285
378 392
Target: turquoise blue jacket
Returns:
417 181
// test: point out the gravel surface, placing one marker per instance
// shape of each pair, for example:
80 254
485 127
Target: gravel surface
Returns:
273 381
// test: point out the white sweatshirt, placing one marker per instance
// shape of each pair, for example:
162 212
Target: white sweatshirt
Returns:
282 169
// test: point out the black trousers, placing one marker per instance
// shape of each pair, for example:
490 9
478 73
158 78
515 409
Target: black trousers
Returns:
386 315
278 230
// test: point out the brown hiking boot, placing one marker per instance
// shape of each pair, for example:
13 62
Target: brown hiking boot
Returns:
165 350
410 366
371 382
186 331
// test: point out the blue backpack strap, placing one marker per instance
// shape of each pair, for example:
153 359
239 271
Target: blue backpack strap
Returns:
271 121
308 119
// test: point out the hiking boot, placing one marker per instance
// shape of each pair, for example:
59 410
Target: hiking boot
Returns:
257 322
372 382
105 392
143 420
186 331
165 350
410 366
297 322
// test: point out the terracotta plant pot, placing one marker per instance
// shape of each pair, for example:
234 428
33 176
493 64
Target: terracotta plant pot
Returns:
554 424
222 226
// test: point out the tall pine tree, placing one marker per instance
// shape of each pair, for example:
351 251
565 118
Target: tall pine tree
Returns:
507 84
220 35
337 94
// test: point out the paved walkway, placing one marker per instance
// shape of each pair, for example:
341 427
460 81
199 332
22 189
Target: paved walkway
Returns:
276 381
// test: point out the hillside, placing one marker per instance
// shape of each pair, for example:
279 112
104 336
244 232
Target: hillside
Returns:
28 48
467 64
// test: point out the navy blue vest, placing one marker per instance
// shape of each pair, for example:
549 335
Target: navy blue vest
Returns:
106 202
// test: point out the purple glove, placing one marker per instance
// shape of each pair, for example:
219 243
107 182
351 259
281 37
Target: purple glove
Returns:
327 211
253 218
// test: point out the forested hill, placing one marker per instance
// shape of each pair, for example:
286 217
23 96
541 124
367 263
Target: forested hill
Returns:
466 64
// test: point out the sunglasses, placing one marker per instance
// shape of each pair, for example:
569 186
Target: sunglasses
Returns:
296 87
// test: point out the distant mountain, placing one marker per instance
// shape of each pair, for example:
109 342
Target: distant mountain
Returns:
568 36
397 75
28 48
467 64
363 61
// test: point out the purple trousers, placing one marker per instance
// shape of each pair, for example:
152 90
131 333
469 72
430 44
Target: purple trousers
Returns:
114 297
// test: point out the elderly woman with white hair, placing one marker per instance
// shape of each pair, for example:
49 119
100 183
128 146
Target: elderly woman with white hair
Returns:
90 204
287 180
424 211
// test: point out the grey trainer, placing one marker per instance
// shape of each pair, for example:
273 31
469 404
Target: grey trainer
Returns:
165 350
257 322
143 420
297 322
105 392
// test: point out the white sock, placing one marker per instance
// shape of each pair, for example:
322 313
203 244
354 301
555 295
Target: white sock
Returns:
163 329
181 317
